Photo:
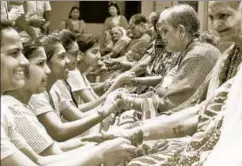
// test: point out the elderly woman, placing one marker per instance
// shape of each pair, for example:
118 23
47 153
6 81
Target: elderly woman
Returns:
120 41
133 52
179 27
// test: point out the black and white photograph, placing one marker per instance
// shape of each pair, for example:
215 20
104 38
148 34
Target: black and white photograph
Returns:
121 83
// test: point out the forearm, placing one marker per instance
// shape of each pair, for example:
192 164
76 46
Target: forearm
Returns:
93 157
88 106
151 80
140 68
73 144
126 64
176 125
67 159
98 87
75 128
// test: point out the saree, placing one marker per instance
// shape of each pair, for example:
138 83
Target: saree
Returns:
225 68
228 149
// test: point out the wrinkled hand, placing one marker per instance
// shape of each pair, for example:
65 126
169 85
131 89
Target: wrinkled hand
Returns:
117 152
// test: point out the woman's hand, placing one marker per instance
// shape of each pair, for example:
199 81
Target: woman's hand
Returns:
117 152
126 77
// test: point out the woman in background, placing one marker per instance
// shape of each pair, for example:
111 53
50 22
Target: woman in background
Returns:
74 23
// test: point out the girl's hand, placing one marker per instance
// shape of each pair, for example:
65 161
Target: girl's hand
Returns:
126 77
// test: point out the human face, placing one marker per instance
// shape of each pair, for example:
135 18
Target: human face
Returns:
75 14
226 20
73 55
92 56
170 35
36 79
13 62
113 11
136 31
59 62
115 34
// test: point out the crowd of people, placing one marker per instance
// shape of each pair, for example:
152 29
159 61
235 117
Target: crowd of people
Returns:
147 92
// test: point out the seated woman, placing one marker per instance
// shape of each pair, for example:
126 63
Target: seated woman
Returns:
90 58
119 40
65 103
158 69
194 66
133 52
24 123
74 23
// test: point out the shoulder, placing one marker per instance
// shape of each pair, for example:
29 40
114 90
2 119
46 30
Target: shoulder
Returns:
40 103
8 101
203 50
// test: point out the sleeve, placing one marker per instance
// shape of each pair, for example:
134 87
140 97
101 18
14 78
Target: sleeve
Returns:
76 81
31 129
40 104
47 6
11 140
120 46
136 52
61 96
191 74
7 148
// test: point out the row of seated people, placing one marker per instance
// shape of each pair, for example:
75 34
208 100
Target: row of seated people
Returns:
190 91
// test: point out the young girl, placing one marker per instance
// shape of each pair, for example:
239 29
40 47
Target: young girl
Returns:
65 103
28 125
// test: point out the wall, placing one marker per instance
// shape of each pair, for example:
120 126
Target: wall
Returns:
60 11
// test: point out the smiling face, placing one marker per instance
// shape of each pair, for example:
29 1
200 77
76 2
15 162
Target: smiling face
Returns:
226 19
13 62
36 80
59 62
92 56
75 14
73 55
